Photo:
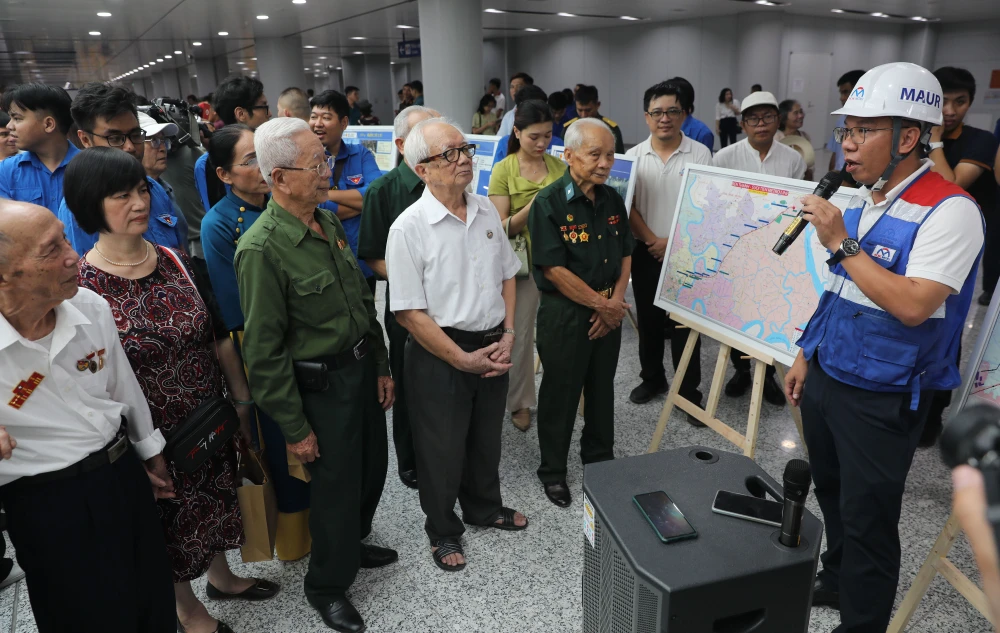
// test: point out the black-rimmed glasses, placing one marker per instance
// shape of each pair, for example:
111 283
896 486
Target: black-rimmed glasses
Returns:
452 155
673 113
857 134
755 120
118 140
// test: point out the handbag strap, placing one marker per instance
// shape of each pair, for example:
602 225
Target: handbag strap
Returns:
169 252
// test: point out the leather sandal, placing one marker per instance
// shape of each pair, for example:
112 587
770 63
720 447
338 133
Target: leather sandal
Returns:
444 548
506 516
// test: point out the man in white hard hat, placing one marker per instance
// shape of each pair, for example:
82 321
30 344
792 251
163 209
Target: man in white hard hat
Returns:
885 334
759 154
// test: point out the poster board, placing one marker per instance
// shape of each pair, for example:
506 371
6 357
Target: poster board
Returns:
981 378
720 271
378 139
622 176
482 162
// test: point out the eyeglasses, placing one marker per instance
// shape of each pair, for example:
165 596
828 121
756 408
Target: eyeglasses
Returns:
118 140
452 155
264 107
857 134
157 143
673 113
755 120
251 162
323 170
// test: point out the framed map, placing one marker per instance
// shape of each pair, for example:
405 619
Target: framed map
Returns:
981 379
378 139
720 270
482 162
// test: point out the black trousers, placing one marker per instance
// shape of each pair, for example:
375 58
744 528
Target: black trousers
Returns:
456 419
348 477
372 282
93 551
653 323
729 129
861 444
402 435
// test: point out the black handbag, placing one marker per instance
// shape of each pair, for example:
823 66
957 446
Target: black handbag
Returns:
206 430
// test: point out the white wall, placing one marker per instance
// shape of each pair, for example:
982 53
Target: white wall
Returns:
495 63
976 47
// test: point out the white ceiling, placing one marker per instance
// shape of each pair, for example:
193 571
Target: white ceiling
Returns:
49 40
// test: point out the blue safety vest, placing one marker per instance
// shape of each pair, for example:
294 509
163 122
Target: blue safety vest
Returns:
861 344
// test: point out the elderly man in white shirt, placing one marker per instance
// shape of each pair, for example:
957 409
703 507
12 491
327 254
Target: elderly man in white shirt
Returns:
660 163
452 272
758 153
80 508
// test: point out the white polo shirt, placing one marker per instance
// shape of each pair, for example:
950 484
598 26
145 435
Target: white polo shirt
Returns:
66 410
501 101
451 269
658 184
781 160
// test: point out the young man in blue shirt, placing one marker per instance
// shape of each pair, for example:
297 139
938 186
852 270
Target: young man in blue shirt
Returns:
39 121
107 117
692 127
844 87
354 167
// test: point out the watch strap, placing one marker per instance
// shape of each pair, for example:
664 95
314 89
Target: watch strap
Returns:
837 257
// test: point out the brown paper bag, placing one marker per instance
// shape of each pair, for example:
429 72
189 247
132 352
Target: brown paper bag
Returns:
296 468
259 508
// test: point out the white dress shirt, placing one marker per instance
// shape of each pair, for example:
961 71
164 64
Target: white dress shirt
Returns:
781 160
71 412
501 102
658 184
507 122
723 111
453 270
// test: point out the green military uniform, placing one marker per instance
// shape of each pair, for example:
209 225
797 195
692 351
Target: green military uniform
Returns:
590 239
304 298
617 131
385 200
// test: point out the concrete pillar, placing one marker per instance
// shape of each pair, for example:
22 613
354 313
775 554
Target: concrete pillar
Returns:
204 69
159 87
451 43
279 65
221 68
147 87
920 45
183 82
759 39
171 87
138 87
378 85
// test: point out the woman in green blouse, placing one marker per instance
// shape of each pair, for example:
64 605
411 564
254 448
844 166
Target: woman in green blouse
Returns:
484 121
513 184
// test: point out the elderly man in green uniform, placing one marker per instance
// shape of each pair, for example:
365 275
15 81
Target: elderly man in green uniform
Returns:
385 200
316 360
581 249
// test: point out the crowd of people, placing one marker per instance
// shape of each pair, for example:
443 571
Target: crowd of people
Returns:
161 262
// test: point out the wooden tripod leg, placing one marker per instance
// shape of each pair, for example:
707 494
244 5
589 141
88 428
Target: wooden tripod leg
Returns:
668 406
924 576
715 391
779 369
756 396
631 319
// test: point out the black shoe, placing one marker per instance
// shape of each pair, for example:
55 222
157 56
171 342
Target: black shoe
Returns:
409 478
558 493
823 596
261 590
373 556
695 422
772 391
985 298
646 391
738 384
221 627
340 615
932 431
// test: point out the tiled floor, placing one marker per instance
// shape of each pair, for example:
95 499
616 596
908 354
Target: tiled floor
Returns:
530 582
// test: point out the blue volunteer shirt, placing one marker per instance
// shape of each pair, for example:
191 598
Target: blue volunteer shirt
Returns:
25 178
360 170
502 146
164 227
835 147
695 129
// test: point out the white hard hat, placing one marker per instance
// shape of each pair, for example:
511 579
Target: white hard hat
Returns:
898 89
761 97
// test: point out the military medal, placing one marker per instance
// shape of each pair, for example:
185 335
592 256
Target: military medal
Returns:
82 364
584 236
340 243
572 236
569 217
24 389
489 235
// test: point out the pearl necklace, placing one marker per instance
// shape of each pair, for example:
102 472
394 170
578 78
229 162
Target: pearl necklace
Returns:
138 263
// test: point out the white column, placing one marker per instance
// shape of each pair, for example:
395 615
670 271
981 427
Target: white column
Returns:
171 87
920 45
183 82
279 65
758 53
378 86
204 69
159 88
147 84
451 47
138 87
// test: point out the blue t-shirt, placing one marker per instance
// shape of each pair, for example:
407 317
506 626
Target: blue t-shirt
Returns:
504 140
698 131
221 229
25 178
360 170
835 147
164 229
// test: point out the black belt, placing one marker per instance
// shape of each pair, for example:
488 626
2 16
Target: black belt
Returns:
482 339
107 455
344 359
604 292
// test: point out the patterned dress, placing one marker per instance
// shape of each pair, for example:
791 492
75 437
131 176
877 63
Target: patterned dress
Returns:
167 332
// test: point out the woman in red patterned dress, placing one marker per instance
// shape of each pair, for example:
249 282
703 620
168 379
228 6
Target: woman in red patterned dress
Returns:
180 353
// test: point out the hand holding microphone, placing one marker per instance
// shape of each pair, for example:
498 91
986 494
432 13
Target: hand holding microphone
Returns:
818 211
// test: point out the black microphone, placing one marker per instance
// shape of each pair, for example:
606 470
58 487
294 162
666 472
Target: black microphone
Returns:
797 480
826 188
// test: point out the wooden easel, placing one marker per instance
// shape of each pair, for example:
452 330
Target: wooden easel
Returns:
748 442
937 563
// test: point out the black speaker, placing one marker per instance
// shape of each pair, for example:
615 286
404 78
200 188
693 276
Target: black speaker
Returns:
735 577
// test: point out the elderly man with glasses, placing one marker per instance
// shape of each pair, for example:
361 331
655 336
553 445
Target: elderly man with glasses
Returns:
316 360
760 154
452 272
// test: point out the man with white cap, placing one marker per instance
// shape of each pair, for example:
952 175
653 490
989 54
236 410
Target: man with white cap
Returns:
758 153
885 334
154 158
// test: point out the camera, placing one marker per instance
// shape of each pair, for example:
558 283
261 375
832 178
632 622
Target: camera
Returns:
972 437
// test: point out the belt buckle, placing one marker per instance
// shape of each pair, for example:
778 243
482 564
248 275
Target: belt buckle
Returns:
358 354
117 449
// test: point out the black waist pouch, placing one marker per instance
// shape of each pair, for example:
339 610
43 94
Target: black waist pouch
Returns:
206 430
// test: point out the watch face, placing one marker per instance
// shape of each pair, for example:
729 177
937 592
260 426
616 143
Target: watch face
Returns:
851 247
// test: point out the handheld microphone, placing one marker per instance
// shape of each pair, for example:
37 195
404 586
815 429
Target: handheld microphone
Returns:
827 186
796 480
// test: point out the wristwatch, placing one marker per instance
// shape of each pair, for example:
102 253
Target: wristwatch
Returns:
848 248
509 330
933 146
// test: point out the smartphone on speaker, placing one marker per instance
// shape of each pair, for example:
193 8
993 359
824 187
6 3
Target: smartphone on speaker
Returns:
666 518
749 508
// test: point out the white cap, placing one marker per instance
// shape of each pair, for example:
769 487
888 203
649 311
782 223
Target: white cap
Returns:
152 128
898 89
761 97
